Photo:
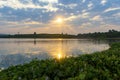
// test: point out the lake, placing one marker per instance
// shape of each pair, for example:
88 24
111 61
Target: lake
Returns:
19 51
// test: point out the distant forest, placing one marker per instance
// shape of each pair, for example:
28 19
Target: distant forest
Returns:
109 34
98 35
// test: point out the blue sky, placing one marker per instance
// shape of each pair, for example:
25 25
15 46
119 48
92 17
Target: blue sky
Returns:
56 16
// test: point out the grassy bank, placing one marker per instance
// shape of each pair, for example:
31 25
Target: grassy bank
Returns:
103 65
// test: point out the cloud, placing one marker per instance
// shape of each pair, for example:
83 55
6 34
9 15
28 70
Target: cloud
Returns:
88 27
90 5
38 15
103 2
24 23
0 14
73 17
85 25
16 4
83 1
84 10
107 27
32 23
71 6
85 15
49 1
97 18
116 15
111 9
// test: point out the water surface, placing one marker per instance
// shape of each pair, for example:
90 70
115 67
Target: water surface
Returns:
19 51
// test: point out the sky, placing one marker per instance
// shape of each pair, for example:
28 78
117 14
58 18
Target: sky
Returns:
59 16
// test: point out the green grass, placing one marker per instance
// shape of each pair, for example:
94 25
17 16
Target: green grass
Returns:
103 65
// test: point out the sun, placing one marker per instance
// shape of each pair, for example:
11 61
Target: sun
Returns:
59 20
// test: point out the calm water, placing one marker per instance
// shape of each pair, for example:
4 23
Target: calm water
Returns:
19 51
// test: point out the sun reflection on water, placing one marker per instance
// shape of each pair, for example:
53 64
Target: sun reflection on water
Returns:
59 51
59 56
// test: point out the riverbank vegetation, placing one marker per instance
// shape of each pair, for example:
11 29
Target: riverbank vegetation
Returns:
96 35
103 65
101 35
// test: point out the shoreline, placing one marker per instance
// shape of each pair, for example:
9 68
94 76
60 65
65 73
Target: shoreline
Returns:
98 65
63 38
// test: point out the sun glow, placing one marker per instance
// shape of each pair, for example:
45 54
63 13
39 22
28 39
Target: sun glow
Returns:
58 52
59 20
59 56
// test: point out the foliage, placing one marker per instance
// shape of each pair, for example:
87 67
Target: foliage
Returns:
101 35
98 35
103 65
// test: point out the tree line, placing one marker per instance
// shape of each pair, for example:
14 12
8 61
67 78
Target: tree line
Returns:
99 35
